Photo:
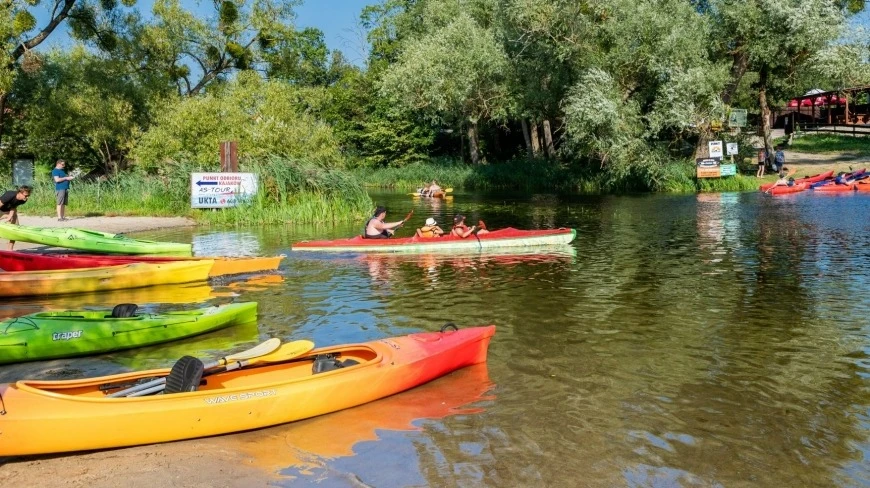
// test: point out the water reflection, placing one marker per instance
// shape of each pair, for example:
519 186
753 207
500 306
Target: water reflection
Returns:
314 450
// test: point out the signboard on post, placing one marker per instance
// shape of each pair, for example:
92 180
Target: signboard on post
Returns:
731 148
715 149
221 190
708 168
737 117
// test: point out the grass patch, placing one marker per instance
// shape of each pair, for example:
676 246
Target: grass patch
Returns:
822 143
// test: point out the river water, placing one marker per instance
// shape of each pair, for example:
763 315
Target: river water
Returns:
698 340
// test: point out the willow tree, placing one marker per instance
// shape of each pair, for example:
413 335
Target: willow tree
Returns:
775 39
456 74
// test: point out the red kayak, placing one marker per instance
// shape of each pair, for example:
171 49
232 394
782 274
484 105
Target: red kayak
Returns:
862 186
807 179
834 188
30 261
508 237
785 190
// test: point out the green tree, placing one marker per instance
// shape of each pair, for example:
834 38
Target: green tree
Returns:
266 118
457 74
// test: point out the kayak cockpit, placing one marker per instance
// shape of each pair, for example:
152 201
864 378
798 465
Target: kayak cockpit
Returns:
242 379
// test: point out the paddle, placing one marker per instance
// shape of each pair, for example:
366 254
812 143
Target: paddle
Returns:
286 352
262 349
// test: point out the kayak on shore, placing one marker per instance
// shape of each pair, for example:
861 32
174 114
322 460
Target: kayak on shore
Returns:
806 179
508 237
57 282
51 335
33 261
61 416
860 173
90 240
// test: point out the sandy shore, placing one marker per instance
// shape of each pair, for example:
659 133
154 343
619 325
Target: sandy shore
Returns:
104 224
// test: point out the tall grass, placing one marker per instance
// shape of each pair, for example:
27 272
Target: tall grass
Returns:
290 191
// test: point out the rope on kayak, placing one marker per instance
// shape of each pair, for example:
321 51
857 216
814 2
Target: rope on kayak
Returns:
449 325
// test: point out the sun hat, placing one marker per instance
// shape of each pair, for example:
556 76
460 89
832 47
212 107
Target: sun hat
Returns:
430 221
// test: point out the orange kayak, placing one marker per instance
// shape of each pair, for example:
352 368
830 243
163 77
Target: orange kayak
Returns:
785 190
834 188
61 416
806 179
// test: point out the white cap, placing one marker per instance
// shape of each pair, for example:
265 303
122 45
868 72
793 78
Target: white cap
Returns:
430 221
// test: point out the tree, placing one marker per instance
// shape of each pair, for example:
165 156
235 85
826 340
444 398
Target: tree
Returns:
457 74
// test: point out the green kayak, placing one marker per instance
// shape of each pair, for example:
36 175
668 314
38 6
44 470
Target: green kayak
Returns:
49 335
90 240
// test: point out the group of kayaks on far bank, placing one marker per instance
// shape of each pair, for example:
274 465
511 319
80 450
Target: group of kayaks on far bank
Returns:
823 182
378 228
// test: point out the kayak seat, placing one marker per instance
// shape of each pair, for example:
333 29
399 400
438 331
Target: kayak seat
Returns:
329 362
184 376
124 310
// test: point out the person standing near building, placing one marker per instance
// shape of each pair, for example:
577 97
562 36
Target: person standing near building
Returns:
61 187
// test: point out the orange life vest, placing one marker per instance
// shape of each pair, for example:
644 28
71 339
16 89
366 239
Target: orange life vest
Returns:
427 231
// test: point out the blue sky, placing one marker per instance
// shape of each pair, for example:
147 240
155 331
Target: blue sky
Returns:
337 19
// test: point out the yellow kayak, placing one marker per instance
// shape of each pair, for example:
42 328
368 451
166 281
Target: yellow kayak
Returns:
83 280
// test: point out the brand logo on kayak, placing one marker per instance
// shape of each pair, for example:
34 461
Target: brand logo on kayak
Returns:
65 336
390 343
241 396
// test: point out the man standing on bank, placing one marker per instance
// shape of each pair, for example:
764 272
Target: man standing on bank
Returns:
9 203
61 187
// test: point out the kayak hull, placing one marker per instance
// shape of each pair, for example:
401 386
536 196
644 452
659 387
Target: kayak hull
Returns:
834 188
51 335
508 237
62 416
28 261
786 190
90 240
85 280
808 179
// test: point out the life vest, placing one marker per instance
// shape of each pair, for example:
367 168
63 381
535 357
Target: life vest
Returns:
427 231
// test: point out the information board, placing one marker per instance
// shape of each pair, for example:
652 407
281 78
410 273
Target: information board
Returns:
715 149
221 190
708 167
728 170
731 148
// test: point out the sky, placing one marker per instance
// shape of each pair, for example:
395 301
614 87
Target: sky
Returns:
338 19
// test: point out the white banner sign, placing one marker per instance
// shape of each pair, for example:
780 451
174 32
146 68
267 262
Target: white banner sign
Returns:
715 148
221 190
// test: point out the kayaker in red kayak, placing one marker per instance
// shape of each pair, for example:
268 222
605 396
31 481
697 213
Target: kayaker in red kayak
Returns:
376 228
463 231
784 180
431 229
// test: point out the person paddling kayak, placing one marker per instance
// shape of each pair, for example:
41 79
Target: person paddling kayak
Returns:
376 228
463 231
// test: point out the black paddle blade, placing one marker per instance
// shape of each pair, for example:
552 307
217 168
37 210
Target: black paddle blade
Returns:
185 375
124 310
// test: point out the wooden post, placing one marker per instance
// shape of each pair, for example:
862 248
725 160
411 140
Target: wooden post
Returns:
229 157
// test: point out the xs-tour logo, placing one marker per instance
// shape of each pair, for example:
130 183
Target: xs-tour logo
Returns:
240 396
65 336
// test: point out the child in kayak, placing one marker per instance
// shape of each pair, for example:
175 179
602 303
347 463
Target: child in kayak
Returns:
431 229
463 231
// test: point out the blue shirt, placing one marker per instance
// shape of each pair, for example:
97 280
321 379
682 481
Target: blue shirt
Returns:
63 185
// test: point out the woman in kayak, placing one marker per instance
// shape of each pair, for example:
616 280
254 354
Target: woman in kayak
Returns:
431 229
784 180
463 231
376 228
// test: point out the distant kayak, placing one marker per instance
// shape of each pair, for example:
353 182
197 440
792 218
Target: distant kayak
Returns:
50 335
835 188
90 240
806 179
832 181
508 237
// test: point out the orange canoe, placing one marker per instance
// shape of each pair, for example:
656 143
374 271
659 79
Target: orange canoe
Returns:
60 416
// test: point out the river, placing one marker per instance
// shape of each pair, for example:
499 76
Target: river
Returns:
696 340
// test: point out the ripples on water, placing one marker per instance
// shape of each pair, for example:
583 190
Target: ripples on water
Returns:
709 340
